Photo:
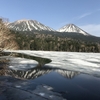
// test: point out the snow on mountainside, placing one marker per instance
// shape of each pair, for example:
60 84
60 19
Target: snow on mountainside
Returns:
28 25
72 28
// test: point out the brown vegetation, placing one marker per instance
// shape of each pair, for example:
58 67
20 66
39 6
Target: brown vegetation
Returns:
7 39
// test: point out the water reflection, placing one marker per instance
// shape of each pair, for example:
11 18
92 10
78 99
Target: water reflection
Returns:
67 74
37 72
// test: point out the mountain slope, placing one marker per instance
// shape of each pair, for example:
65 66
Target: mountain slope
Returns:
28 25
72 28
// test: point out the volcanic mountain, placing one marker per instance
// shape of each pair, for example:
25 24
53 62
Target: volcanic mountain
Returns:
28 25
72 28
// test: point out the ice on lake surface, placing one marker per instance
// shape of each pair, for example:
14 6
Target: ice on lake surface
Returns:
82 62
18 63
72 75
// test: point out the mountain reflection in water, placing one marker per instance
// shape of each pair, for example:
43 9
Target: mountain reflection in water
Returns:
37 72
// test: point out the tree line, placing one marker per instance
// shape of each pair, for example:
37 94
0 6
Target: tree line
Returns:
47 42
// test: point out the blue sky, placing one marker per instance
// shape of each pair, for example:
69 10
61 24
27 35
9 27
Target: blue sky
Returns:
55 13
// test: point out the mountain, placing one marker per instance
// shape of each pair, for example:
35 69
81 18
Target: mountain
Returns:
31 27
72 28
28 25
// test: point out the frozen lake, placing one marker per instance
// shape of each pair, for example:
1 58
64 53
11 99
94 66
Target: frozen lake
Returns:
75 75
82 62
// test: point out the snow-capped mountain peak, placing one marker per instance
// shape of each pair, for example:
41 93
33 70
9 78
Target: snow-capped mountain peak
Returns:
28 25
72 28
23 20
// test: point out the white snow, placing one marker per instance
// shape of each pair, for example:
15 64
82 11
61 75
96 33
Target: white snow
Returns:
28 26
32 24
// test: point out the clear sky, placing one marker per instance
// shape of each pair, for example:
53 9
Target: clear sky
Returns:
55 13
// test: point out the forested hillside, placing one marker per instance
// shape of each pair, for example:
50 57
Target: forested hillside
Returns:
54 42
